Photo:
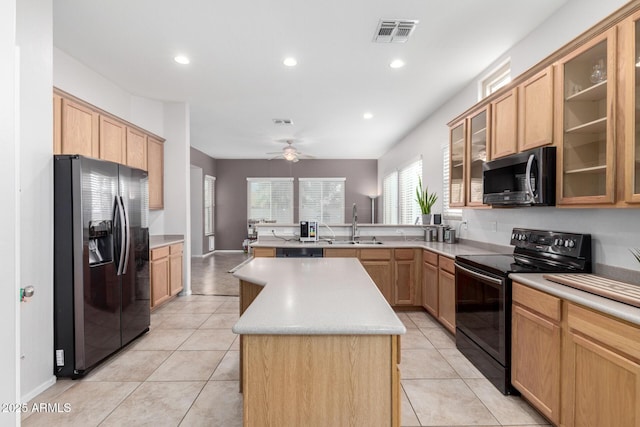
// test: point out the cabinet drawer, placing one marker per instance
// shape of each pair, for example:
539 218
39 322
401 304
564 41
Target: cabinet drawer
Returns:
447 264
407 254
158 253
175 249
611 332
545 304
340 253
381 254
430 257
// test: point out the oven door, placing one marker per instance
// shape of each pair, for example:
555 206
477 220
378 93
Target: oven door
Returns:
481 311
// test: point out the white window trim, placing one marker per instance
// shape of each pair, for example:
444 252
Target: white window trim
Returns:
497 73
213 205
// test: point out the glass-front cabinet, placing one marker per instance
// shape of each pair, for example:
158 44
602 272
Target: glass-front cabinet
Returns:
631 50
457 164
586 154
477 154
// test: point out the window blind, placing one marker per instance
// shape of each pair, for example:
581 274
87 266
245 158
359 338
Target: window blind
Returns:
407 183
209 204
447 212
322 200
270 199
390 198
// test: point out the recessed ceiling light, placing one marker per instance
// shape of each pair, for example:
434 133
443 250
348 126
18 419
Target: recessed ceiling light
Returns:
367 116
397 63
181 59
290 62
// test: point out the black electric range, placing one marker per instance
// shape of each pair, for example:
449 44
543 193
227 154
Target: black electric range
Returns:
483 294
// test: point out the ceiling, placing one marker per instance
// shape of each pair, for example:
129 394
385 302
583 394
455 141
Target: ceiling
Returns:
236 82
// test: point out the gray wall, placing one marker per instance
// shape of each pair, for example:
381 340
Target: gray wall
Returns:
231 189
208 166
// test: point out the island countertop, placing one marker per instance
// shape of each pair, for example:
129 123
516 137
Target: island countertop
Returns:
315 296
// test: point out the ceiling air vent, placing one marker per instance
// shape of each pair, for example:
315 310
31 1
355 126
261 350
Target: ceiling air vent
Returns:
283 121
394 30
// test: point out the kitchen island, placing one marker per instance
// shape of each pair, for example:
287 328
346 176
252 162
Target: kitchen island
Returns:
319 345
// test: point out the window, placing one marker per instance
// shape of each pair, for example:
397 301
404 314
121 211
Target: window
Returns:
270 199
497 78
209 204
390 198
322 200
447 212
399 195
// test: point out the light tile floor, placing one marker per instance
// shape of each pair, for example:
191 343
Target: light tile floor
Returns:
185 372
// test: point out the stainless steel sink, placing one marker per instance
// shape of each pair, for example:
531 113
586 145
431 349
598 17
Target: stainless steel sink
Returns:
368 242
355 242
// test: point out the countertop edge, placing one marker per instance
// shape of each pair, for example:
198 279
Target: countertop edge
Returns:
160 240
605 305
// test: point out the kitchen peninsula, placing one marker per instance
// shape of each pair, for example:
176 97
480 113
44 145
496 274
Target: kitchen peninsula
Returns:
320 345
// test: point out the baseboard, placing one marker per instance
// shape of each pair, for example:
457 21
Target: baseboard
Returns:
36 391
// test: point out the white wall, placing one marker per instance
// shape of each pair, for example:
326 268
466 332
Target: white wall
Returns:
613 230
9 337
36 193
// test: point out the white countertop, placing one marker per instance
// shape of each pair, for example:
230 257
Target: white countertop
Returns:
617 309
315 296
450 250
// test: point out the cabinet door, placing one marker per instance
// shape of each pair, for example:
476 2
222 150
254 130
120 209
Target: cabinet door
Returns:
264 252
585 131
535 111
430 288
404 289
175 269
456 164
535 360
57 124
477 146
631 51
113 140
80 129
504 125
447 300
155 167
159 281
136 149
382 274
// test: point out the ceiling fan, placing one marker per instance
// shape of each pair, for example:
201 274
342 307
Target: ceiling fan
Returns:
290 153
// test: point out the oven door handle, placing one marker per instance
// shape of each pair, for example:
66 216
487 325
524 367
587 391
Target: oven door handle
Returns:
480 276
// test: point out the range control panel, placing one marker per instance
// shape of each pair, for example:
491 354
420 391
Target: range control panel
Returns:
555 242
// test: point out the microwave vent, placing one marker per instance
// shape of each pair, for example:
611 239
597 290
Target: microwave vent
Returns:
394 30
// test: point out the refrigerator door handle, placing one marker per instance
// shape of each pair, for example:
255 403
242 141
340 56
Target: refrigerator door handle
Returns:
127 232
122 236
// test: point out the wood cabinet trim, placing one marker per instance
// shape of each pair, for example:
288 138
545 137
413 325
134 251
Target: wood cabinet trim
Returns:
430 257
540 302
376 254
447 264
161 252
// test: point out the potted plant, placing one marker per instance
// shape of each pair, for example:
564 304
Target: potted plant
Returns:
426 200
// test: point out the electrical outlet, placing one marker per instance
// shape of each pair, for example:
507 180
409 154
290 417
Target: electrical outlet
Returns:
465 225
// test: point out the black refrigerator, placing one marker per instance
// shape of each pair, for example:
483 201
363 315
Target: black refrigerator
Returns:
101 261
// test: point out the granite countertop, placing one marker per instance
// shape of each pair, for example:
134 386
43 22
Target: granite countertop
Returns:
446 249
614 308
315 296
160 240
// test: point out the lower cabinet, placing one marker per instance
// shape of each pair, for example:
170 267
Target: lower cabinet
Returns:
535 349
577 366
166 273
430 282
406 286
378 264
447 293
264 252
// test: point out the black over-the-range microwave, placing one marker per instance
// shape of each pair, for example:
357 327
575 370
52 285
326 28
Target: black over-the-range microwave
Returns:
523 179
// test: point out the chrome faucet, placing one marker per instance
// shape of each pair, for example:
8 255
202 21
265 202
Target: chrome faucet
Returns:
354 223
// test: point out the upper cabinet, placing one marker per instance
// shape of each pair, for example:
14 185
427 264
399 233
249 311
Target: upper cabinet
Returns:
535 110
504 124
457 154
586 123
477 148
630 88
80 128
